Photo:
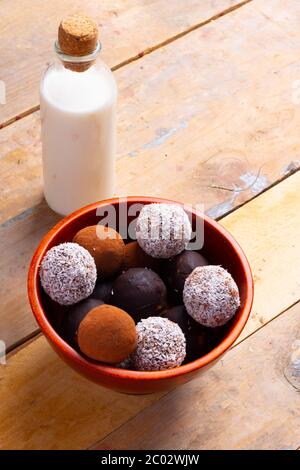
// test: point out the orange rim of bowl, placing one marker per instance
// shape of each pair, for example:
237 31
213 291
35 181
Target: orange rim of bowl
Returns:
102 369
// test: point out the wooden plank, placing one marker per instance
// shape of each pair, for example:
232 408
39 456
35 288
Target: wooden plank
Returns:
48 406
128 29
19 239
186 134
268 229
244 402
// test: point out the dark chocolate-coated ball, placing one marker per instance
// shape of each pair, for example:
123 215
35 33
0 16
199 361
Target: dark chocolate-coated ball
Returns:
103 291
140 292
180 316
74 317
177 269
199 340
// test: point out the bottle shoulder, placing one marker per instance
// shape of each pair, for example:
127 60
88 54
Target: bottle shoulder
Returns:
78 91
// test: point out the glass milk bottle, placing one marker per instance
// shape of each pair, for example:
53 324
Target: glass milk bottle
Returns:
78 98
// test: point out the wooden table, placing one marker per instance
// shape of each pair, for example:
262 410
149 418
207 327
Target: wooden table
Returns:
209 111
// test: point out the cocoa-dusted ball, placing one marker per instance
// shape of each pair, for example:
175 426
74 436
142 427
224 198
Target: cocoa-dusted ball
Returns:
68 273
105 245
161 345
107 334
73 318
163 230
211 296
140 292
177 269
135 257
103 291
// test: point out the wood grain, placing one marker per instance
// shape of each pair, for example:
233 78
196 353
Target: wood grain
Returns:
268 229
244 402
219 136
20 238
45 405
128 29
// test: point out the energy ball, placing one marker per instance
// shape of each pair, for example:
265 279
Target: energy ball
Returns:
163 230
161 345
177 269
68 273
135 257
179 315
140 292
105 245
103 291
107 334
73 318
198 338
211 296
126 364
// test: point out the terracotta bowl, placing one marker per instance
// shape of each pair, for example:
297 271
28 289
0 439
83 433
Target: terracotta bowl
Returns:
219 246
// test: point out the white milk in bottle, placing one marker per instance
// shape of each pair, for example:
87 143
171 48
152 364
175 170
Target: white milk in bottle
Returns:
78 99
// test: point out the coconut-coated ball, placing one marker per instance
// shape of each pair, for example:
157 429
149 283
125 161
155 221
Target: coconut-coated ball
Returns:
140 292
68 273
211 296
163 230
74 317
105 245
107 334
161 345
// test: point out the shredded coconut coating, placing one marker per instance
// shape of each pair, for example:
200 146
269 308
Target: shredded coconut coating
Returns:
161 345
163 230
211 296
68 273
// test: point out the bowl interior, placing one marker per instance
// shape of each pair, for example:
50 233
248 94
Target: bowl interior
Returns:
219 248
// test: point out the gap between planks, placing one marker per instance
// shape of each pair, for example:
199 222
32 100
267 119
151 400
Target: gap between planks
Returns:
272 185
143 53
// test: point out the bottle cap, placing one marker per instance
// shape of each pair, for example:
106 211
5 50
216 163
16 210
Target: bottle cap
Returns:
77 35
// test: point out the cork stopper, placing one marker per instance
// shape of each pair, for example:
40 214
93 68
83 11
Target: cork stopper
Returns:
78 37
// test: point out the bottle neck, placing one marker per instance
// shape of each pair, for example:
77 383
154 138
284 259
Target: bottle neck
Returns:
77 63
